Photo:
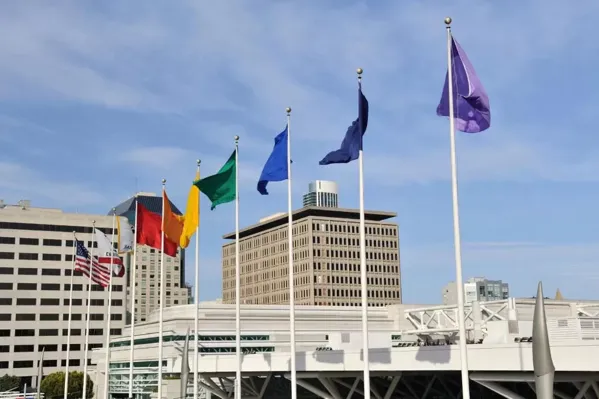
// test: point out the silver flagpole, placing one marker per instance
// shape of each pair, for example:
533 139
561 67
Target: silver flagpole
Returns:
109 312
237 278
66 372
363 271
132 266
456 222
161 292
89 300
543 367
291 266
196 354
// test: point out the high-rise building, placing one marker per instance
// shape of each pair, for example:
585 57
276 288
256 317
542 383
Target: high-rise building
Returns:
322 193
477 289
326 256
147 266
36 273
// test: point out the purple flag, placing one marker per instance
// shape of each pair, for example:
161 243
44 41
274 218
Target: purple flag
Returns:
472 113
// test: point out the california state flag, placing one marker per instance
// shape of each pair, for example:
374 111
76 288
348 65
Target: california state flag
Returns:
107 255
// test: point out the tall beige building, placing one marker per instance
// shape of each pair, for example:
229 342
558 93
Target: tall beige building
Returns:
147 265
36 273
326 259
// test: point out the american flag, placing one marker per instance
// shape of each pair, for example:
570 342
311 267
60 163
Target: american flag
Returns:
100 274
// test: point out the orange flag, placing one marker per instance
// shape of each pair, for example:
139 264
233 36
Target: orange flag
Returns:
173 224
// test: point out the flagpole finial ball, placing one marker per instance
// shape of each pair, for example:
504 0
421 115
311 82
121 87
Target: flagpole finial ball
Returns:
359 71
288 110
236 138
163 181
448 21
198 162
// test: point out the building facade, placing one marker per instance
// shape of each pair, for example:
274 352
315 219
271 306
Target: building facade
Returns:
36 273
147 264
326 259
477 289
322 193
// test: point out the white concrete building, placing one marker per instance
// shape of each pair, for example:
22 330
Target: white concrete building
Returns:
413 350
36 261
477 289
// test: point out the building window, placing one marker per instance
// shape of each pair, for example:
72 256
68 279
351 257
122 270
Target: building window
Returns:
7 255
26 286
5 316
76 302
48 332
28 256
25 317
50 287
50 272
23 348
48 317
76 287
50 302
52 243
96 316
25 333
27 271
29 241
5 286
116 331
7 240
26 301
7 270
22 364
51 257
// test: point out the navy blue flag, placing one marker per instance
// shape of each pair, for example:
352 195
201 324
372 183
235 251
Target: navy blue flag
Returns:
352 142
275 168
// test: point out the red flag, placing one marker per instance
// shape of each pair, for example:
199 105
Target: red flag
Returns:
149 231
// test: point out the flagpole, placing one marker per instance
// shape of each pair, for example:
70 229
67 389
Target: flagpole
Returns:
161 291
109 314
89 300
363 274
66 373
291 266
197 307
237 278
132 326
456 222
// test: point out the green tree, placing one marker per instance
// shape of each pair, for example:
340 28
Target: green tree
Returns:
53 385
8 382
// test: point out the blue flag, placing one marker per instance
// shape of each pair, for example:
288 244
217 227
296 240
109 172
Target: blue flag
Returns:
471 109
352 142
275 168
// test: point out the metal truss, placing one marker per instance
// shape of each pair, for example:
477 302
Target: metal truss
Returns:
408 385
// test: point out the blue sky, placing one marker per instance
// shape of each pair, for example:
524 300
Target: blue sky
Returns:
98 99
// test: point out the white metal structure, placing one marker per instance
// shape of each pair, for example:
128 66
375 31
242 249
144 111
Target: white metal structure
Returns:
413 351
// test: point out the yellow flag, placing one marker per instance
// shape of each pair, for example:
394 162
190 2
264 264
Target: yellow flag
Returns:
192 214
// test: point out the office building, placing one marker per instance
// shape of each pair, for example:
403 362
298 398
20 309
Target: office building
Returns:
322 193
147 266
36 263
477 289
326 257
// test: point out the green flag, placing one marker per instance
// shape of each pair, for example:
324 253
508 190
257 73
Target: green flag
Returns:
221 187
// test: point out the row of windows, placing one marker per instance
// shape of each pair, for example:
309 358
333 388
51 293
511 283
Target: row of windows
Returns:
353 228
47 348
35 256
330 253
24 364
353 293
53 227
386 281
176 338
54 332
355 242
54 287
47 242
56 317
56 302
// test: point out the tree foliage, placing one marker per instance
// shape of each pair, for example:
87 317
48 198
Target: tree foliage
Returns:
9 382
53 385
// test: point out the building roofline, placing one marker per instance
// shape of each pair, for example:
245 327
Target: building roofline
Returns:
317 211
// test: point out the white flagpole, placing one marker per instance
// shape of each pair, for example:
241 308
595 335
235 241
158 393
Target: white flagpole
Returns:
109 313
89 301
456 221
66 371
291 263
161 291
363 274
197 309
132 327
237 278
